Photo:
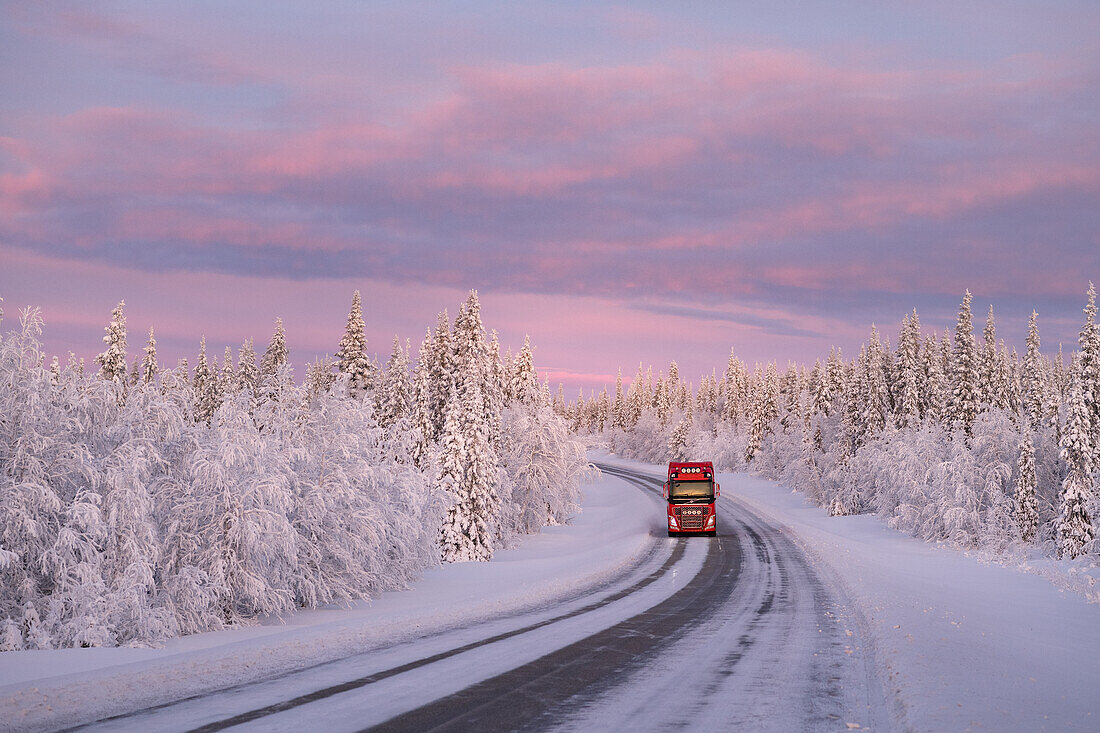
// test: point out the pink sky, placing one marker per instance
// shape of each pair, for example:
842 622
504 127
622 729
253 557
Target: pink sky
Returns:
622 184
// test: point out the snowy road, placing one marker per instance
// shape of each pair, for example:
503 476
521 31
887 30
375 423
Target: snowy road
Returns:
737 631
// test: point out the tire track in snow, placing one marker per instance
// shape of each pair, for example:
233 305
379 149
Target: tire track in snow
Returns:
776 656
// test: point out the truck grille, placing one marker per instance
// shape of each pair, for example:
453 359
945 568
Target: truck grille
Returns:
693 517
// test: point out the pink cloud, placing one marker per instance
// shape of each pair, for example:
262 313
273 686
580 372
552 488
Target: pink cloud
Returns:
713 140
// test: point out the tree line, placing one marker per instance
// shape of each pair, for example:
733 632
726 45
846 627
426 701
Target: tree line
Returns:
946 436
139 502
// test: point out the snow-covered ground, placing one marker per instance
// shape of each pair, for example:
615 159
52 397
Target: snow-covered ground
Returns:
963 644
611 536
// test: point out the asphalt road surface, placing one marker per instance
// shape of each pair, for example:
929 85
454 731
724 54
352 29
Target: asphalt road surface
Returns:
734 632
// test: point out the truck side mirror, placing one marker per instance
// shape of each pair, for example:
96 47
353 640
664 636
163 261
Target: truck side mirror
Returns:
717 491
666 490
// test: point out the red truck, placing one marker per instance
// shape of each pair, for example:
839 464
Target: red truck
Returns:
690 492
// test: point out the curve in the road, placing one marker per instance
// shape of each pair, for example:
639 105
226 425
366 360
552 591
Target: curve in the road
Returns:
533 695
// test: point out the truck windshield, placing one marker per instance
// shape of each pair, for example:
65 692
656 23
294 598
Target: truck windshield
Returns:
691 489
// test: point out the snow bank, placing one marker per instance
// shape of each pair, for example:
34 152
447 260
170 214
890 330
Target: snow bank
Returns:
615 532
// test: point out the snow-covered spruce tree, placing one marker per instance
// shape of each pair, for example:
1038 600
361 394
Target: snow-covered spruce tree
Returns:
937 360
248 374
149 361
765 410
112 362
469 528
276 381
1089 368
394 397
276 354
227 378
442 369
320 378
206 387
1027 507
493 381
910 383
854 420
876 392
351 355
1033 383
618 406
987 385
524 382
471 525
965 370
1075 528
422 404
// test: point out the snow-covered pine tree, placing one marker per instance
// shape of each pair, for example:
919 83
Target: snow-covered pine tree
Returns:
493 386
149 361
876 392
320 378
836 374
603 411
469 529
965 371
820 396
206 387
524 382
1075 528
618 407
112 362
394 397
276 354
635 398
442 369
227 380
471 526
662 399
853 426
1027 506
683 399
559 401
1089 368
911 387
422 403
248 374
987 386
135 372
448 480
765 410
351 355
1033 383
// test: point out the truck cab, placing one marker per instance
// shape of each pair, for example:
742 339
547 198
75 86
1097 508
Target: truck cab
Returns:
690 492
